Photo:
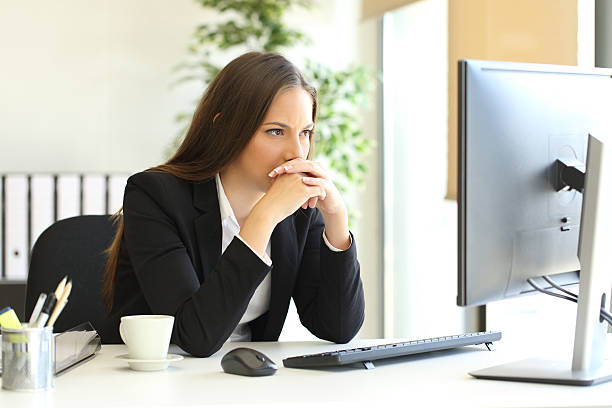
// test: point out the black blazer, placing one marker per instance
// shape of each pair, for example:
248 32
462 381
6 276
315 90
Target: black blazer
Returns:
170 263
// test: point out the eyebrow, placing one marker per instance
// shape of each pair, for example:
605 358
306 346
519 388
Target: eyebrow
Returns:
285 126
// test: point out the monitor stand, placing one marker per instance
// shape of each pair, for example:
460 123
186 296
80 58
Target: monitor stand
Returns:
587 366
545 371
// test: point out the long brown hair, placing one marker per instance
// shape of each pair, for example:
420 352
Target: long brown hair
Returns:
228 115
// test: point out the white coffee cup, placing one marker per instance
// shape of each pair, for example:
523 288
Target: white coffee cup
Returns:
147 336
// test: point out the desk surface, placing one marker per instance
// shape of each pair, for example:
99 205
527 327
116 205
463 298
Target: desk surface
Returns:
435 379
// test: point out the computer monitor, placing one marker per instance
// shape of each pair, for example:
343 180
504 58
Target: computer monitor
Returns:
523 141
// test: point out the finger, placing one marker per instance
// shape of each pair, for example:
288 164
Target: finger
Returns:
312 202
279 170
315 169
318 192
303 166
286 168
314 181
288 163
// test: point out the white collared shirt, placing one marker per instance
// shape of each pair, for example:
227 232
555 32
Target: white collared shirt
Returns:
260 302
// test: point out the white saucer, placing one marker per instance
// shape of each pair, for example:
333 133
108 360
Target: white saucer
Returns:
149 365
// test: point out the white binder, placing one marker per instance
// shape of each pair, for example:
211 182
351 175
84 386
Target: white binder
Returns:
116 187
94 194
16 212
42 204
68 196
1 229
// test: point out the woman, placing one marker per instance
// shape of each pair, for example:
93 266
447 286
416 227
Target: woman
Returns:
238 222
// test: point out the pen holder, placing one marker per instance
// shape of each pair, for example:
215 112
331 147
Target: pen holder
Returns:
28 359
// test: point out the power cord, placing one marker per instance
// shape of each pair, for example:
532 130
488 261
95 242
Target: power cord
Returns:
572 296
554 285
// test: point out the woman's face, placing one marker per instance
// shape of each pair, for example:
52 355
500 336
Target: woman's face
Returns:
283 135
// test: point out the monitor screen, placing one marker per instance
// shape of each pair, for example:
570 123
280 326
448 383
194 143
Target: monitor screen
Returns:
515 121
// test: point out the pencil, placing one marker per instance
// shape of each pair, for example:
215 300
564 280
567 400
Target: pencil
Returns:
56 312
60 304
60 287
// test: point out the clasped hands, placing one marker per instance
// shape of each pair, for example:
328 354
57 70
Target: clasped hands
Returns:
320 190
299 183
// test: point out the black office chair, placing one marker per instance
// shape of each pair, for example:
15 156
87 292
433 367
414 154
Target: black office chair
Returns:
74 247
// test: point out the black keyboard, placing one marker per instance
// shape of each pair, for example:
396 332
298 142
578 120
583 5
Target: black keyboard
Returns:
366 355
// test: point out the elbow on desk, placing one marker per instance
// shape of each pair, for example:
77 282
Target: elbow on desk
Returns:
196 343
349 335
340 338
197 336
198 349
348 330
351 323
339 327
203 353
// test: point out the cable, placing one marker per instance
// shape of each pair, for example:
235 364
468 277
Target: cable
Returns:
554 285
548 292
603 313
606 315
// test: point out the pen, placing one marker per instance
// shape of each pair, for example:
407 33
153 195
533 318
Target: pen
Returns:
39 305
60 304
47 307
8 319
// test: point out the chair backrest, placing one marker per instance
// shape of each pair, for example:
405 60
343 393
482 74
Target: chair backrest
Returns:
74 247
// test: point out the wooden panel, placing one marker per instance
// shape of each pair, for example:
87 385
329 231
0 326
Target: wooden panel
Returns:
542 31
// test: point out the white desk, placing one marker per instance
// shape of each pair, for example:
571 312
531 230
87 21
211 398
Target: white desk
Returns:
437 379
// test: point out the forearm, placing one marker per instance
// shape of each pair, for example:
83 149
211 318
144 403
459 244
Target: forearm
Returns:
206 320
331 301
257 230
337 231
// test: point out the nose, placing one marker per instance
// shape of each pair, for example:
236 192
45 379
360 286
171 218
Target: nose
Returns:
295 148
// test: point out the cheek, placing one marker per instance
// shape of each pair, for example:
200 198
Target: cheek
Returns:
256 148
264 155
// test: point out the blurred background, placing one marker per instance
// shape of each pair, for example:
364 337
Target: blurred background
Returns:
91 92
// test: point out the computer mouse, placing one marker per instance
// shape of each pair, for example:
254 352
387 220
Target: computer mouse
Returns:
248 362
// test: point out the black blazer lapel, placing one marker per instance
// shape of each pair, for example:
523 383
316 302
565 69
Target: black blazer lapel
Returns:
207 225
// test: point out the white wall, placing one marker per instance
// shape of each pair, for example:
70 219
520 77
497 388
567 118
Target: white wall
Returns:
86 86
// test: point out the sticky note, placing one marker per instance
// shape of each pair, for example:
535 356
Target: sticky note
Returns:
8 319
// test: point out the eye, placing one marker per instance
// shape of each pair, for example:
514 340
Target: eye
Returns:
275 132
307 133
